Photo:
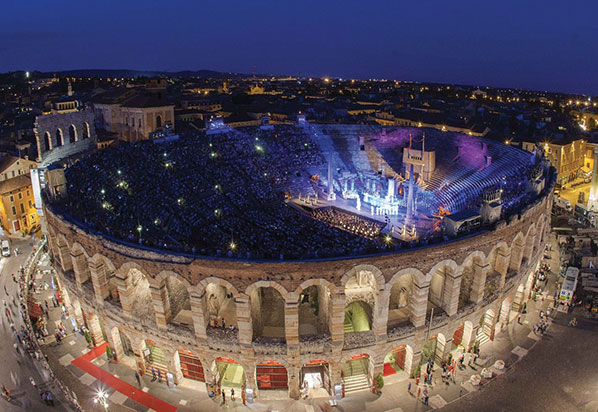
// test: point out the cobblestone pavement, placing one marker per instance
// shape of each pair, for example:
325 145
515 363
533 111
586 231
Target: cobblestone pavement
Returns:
531 382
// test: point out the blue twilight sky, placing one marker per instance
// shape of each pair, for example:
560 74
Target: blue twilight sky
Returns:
545 45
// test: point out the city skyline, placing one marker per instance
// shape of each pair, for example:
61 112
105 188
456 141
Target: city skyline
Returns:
466 43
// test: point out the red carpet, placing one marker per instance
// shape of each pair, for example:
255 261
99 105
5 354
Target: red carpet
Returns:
84 363
388 370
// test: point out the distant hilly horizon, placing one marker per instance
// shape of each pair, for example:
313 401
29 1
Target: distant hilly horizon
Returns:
203 73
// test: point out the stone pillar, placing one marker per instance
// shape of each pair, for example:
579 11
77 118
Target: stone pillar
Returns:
113 337
79 263
94 328
97 272
452 287
502 266
293 373
529 248
337 317
244 320
381 316
478 286
418 303
77 313
198 315
516 257
419 342
124 292
335 369
291 321
65 258
161 305
174 365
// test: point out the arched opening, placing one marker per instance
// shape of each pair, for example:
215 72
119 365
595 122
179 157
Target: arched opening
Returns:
267 314
271 375
59 138
498 261
48 140
433 350
126 345
158 121
356 374
486 327
519 298
315 379
220 305
437 296
314 311
191 366
155 359
358 317
361 292
86 133
467 281
179 302
398 361
462 337
506 315
139 296
399 302
229 375
72 134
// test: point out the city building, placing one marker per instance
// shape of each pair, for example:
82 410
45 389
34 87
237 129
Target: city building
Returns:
17 205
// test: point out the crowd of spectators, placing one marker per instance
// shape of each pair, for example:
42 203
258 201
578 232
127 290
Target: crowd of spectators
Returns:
216 195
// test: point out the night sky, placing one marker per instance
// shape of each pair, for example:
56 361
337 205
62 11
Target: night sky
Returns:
544 45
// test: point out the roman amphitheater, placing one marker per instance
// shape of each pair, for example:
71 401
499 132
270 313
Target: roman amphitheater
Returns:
273 323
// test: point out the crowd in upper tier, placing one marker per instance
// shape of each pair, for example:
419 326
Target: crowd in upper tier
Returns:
215 195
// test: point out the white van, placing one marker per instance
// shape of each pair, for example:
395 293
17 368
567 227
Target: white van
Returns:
5 248
563 203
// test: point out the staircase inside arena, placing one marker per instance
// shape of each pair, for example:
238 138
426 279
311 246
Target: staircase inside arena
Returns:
355 376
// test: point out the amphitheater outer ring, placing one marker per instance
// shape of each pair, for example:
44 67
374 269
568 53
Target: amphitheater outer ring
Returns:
90 266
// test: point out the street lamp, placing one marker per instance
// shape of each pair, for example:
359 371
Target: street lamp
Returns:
101 398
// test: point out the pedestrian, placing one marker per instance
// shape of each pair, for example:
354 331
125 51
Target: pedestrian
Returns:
153 374
232 394
159 376
519 319
138 379
426 397
409 387
243 396
419 392
32 382
223 397
223 324
49 398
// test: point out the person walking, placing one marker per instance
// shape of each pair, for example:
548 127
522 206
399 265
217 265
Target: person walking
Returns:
232 394
138 379
519 319
426 397
409 387
419 392
223 397
153 374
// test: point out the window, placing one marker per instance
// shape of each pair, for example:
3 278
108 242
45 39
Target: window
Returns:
22 208
12 198
27 192
5 176
139 123
30 204
13 173
20 195
14 211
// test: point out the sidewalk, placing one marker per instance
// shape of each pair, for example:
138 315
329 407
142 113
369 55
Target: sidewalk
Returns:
87 372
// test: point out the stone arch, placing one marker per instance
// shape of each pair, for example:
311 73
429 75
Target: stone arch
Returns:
48 141
80 264
365 268
135 291
177 302
402 300
267 324
462 337
359 316
203 284
272 374
73 136
192 365
59 138
315 307
442 294
517 246
398 359
473 278
158 121
505 311
63 250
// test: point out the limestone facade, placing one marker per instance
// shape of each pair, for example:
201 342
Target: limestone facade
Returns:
143 297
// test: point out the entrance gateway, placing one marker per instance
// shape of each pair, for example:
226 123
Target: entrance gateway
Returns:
315 378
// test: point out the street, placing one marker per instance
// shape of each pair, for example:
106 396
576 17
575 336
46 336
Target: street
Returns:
18 368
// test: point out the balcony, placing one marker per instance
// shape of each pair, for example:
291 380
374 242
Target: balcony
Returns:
270 346
223 339
314 344
400 330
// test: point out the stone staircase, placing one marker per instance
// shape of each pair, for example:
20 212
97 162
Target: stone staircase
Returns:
355 377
